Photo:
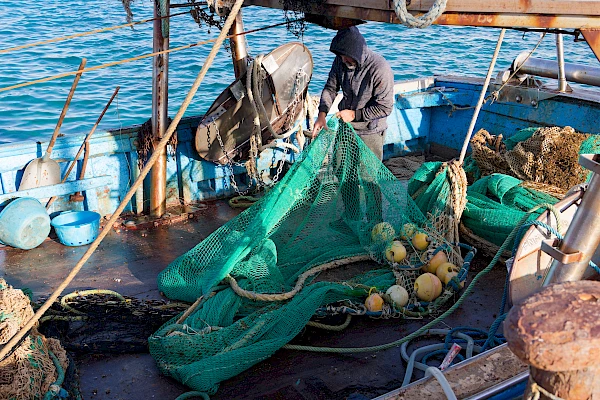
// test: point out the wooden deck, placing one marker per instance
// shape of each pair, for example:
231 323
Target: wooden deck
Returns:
129 261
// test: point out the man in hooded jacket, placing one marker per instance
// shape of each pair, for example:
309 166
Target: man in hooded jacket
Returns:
367 83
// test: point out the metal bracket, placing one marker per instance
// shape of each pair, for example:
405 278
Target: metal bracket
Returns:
238 90
588 162
527 97
550 247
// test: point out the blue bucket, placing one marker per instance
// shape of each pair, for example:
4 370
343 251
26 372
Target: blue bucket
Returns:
76 228
24 223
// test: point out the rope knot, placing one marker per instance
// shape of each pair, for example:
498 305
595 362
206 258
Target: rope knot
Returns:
423 21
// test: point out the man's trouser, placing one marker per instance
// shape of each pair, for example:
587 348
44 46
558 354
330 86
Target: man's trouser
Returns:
375 143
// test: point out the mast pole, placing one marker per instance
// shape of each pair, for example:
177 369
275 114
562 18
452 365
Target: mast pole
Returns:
160 65
239 46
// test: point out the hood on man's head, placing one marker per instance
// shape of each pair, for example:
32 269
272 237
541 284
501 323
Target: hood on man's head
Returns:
349 42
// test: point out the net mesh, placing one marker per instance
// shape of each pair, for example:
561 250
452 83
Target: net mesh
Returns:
544 156
510 176
337 201
28 371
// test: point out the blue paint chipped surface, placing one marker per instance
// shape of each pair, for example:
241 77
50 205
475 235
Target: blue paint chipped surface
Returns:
421 116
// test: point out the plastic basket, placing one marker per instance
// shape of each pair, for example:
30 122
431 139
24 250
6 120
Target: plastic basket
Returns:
77 228
24 223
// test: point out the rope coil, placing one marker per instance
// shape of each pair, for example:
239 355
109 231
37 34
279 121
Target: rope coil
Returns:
299 283
407 19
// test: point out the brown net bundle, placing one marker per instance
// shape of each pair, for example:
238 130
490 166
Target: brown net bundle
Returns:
546 161
550 156
488 153
28 372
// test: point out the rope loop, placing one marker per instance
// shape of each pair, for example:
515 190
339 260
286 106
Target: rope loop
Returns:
537 391
423 21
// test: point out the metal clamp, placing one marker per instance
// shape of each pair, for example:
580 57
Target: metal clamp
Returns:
550 247
589 162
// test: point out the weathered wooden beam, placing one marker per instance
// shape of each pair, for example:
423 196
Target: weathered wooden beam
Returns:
565 7
468 378
501 13
519 21
60 189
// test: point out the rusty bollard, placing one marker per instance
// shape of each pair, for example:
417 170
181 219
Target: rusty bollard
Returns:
557 332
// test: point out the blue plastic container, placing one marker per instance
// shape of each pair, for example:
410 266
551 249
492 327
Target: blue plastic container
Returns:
24 223
76 228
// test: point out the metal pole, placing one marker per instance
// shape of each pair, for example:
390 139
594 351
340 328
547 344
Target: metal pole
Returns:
560 56
463 152
548 69
239 51
158 176
583 235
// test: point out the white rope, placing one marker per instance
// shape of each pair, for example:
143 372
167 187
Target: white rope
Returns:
536 391
284 145
423 21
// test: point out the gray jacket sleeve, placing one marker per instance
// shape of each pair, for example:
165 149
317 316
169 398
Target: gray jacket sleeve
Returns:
382 102
332 86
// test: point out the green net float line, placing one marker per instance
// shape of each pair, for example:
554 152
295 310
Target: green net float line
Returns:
333 328
432 323
55 388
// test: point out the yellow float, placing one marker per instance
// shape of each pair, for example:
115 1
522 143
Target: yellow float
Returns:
444 269
408 230
428 287
395 252
383 231
374 302
438 259
420 241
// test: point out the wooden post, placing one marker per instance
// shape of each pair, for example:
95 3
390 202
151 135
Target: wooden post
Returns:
160 66
239 52
557 332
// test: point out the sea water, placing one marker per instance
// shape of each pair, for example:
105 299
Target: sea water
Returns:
32 112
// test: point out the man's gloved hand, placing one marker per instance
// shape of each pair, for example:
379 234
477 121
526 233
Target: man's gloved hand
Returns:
319 124
346 115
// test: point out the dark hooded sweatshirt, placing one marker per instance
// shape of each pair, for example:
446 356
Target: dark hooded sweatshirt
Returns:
368 89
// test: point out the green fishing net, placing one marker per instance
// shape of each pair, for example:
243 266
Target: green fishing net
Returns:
337 201
496 202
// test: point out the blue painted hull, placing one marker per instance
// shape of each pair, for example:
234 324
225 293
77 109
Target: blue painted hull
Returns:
429 112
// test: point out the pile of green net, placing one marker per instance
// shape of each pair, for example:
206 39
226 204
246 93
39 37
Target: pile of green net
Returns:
495 203
324 209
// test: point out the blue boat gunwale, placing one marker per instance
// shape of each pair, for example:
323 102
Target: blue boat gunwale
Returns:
422 119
